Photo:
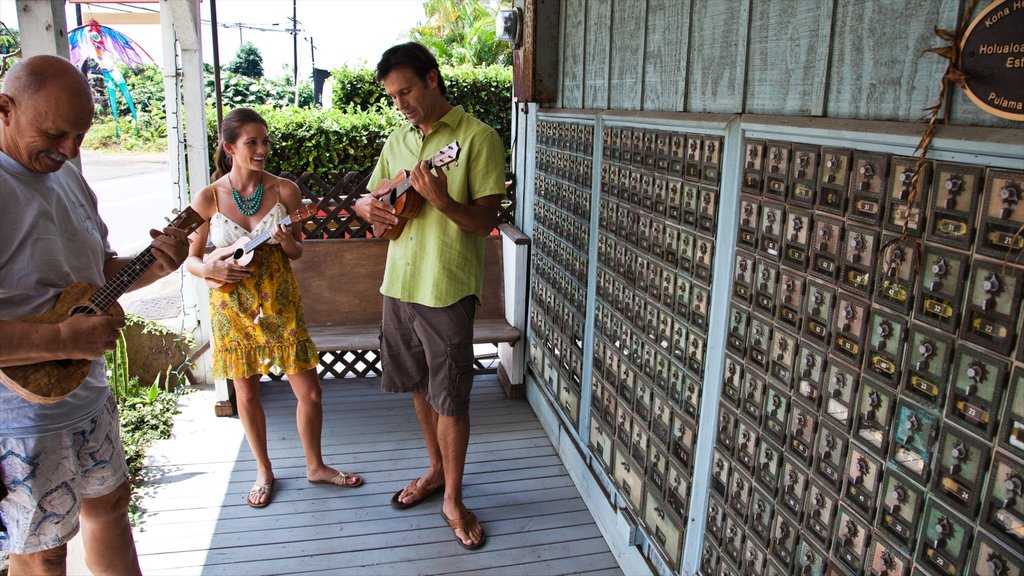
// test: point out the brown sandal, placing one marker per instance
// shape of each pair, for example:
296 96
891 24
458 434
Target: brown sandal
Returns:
466 525
418 494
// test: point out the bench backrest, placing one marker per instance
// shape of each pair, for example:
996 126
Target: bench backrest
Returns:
340 281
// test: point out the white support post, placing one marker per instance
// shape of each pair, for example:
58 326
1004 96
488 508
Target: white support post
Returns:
43 28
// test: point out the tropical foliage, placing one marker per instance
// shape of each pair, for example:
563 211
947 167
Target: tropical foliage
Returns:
248 61
461 33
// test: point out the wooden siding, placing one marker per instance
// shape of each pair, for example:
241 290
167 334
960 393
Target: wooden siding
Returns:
788 60
625 81
831 58
665 54
597 43
196 521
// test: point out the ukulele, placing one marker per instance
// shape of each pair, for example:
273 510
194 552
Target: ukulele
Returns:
243 250
49 381
403 197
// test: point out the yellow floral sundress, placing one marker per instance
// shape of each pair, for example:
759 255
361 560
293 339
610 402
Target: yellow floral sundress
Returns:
258 327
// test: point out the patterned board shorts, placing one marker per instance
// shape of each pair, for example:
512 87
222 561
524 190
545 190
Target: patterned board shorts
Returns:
48 476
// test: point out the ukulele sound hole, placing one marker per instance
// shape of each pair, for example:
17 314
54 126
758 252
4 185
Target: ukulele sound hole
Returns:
237 254
82 309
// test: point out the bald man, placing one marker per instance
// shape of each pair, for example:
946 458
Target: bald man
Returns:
61 464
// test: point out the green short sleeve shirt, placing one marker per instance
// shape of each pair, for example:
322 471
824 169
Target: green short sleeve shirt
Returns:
434 262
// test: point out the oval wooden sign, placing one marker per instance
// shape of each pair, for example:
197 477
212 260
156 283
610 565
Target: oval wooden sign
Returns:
992 60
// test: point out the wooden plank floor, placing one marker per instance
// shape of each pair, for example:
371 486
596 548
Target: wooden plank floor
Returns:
196 520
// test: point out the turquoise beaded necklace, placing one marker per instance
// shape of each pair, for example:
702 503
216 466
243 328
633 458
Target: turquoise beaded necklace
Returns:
248 206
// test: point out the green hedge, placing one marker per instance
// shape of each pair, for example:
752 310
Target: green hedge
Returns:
318 140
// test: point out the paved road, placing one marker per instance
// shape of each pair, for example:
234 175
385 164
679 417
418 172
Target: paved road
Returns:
135 194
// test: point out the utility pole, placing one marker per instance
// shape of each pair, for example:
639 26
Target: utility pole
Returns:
295 48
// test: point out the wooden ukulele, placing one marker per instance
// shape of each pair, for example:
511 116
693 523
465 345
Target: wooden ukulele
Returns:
400 193
243 250
49 381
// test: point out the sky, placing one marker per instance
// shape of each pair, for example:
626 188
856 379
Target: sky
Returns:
350 32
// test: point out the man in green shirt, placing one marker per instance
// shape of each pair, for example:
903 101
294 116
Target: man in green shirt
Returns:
434 271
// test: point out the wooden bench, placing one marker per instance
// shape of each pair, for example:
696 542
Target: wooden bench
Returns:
340 285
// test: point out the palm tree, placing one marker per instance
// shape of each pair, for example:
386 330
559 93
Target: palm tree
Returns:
461 33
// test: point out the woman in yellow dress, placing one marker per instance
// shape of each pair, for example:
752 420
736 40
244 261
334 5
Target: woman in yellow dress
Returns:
258 326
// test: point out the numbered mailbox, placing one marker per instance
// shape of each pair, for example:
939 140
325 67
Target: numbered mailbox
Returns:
733 538
743 277
703 258
959 473
907 195
804 174
884 559
945 540
818 310
793 488
741 487
628 478
712 161
666 325
859 258
783 356
635 191
668 288
863 480
1003 512
726 435
687 242
765 280
820 517
643 401
762 513
887 335
852 536
601 443
647 191
769 461
569 400
746 444
956 189
867 187
755 386
1012 435
755 558
677 153
674 193
833 180
732 382
663 152
657 469
739 321
826 243
678 493
666 530
691 199
990 557
637 147
609 409
899 270
993 306
684 437
841 383
715 524
901 509
849 328
661 372
700 297
876 405
694 153
803 428
810 374
710 561
691 398
776 413
753 166
771 229
943 278
1002 214
682 298
750 216
777 170
785 534
976 391
624 420
915 432
657 243
661 419
810 559
677 382
797 240
790 298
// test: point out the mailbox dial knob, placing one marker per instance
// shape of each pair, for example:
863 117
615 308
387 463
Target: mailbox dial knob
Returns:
954 184
991 284
1009 194
867 170
848 532
887 560
995 564
926 349
898 497
884 329
833 162
907 176
943 530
